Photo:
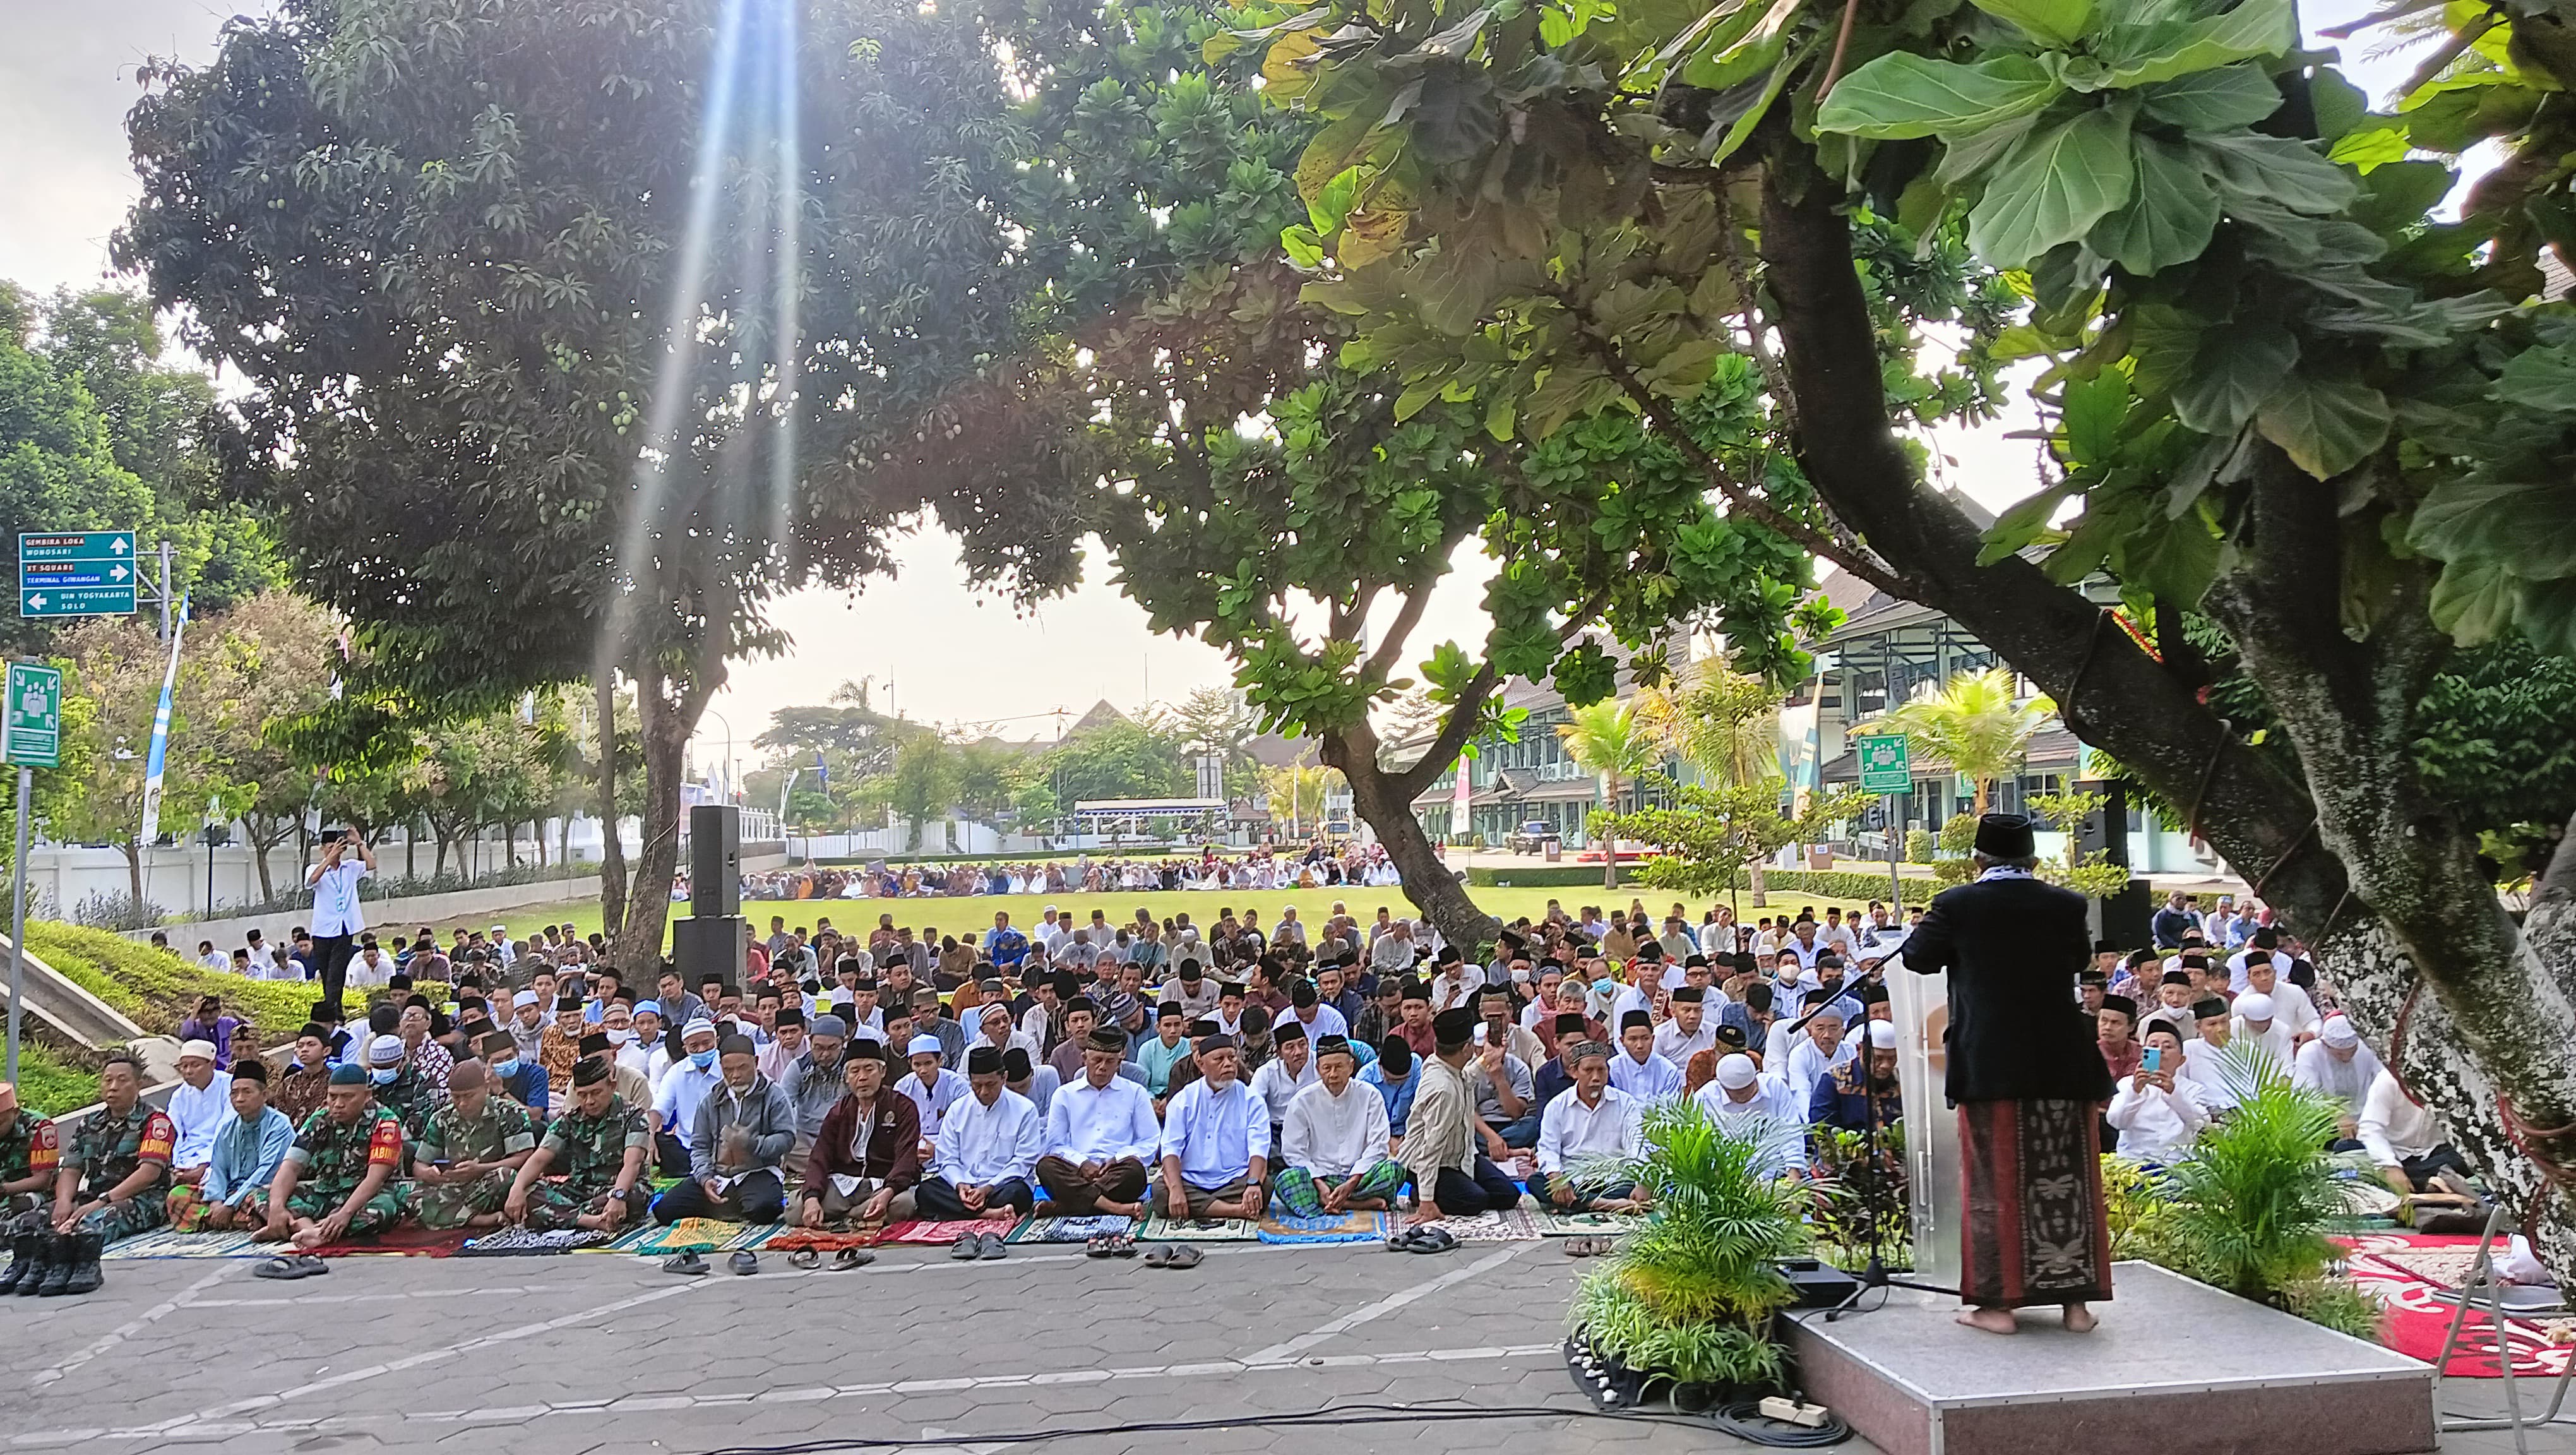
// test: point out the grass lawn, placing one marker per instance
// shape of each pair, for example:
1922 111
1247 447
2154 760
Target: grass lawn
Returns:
975 912
156 989
49 1085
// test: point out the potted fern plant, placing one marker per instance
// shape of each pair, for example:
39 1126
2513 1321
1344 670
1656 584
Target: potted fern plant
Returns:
1689 1297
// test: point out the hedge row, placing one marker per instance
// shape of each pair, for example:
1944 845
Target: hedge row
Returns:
1825 885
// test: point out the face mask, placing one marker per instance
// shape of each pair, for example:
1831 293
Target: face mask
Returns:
384 1077
1520 974
505 1068
702 1059
1605 985
620 1038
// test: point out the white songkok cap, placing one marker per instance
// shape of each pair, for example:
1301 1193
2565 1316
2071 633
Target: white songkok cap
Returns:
1736 1072
925 1046
2339 1032
698 1026
1882 1035
2254 1005
202 1050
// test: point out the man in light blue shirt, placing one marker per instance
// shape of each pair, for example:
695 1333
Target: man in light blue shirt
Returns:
1216 1141
248 1147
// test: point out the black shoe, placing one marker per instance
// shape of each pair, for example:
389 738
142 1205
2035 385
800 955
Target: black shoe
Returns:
36 1251
85 1276
58 1266
22 1263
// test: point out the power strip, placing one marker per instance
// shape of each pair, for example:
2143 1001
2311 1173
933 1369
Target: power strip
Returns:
1790 1412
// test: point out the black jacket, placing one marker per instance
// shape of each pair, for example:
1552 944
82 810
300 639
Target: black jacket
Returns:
2013 948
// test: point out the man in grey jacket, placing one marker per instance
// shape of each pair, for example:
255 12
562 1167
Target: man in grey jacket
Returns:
738 1145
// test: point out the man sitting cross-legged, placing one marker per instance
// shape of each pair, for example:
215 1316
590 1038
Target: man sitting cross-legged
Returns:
867 1153
338 1180
737 1145
1216 1141
247 1153
1334 1149
598 1147
1440 1151
466 1158
1594 1123
1100 1130
986 1157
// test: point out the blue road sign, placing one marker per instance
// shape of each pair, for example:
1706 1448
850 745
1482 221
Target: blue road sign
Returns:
76 573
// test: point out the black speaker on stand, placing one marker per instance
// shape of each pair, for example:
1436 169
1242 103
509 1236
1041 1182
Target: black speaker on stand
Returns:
710 940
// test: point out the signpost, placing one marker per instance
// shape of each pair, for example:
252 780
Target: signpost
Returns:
31 736
1883 769
77 573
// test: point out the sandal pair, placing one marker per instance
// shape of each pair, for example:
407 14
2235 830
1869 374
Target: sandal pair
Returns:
292 1265
1110 1245
1428 1238
1174 1255
1586 1247
842 1261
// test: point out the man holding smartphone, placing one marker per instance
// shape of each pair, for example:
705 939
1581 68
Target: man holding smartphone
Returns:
337 921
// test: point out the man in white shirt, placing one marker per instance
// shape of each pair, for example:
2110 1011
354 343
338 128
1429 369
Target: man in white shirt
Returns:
2158 1113
199 1106
2403 1140
1834 934
337 919
688 1082
1216 1141
1451 987
2258 1022
1636 1071
1281 1077
1334 1142
1591 1123
2292 1008
987 1158
1688 1032
932 1087
1747 1104
2338 1065
1803 1060
1100 1131
1392 952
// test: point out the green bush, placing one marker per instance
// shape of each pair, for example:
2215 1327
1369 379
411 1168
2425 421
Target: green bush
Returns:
1831 884
1918 846
49 1084
157 989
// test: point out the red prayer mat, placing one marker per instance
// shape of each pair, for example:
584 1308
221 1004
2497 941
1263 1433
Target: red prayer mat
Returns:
400 1243
820 1240
2408 1273
942 1233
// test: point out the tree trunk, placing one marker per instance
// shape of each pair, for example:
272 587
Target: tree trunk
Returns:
670 710
537 839
612 851
1383 802
1610 841
259 850
134 870
1754 877
411 846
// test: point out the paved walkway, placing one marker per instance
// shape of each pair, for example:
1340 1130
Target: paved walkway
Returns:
567 1355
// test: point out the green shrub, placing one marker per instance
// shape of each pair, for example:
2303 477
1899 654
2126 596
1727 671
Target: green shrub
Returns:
1832 884
1918 846
157 989
50 1084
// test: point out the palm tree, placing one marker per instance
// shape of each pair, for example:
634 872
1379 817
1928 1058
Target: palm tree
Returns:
1977 721
1612 739
1727 725
1298 793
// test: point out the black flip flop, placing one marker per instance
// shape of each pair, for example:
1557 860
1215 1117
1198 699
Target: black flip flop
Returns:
1431 1240
967 1246
687 1261
1099 1247
744 1261
1160 1255
1185 1256
291 1266
849 1258
991 1246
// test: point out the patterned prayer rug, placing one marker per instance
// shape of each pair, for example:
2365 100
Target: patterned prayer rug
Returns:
1553 1224
1350 1227
528 1242
398 1243
2410 1272
163 1243
941 1234
1160 1229
1511 1225
819 1240
1071 1230
704 1235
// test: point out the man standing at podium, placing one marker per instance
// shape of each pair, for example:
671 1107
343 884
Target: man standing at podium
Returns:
2028 1080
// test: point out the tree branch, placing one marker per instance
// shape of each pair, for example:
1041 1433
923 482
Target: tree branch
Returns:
1463 717
1407 616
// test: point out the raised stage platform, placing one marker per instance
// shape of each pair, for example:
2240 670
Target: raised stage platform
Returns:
2176 1368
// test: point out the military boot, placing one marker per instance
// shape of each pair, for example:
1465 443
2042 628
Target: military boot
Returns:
36 1251
22 1261
85 1276
58 1265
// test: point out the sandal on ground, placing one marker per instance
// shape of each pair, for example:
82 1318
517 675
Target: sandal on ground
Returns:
1578 1247
849 1258
1099 1247
967 1246
689 1262
805 1258
1121 1245
1431 1240
991 1246
293 1265
1185 1256
1159 1256
744 1261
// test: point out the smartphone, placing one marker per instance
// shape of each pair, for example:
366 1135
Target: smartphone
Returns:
2155 1060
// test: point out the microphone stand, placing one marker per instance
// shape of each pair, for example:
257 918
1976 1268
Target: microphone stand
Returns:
1873 1189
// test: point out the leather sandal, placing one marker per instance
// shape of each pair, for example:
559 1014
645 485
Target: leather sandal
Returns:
690 1262
849 1258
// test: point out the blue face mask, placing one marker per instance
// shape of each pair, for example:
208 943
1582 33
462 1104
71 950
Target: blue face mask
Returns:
386 1076
1606 985
702 1059
505 1068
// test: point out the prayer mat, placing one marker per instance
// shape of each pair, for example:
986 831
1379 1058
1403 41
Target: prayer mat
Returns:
401 1242
1160 1229
1510 1225
2411 1274
1070 1230
1350 1227
704 1235
163 1243
1553 1224
819 1240
939 1234
523 1242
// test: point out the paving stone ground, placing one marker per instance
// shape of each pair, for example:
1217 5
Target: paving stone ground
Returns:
566 1355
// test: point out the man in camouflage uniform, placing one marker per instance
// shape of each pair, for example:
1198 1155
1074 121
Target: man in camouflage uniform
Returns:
30 1153
599 1147
338 1180
466 1158
399 1086
115 1173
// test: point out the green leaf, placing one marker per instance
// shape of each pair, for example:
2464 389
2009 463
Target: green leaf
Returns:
2019 525
2053 21
1970 153
2339 104
2526 526
2328 425
2236 369
2255 28
2219 100
1737 53
2474 601
2395 196
2170 215
2275 170
2052 187
1903 95
2540 378
2094 409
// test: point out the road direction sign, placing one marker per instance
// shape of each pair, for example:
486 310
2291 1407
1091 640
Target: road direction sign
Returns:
31 730
76 573
1882 763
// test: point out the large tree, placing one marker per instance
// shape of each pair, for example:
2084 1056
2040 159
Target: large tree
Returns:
2286 382
577 333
